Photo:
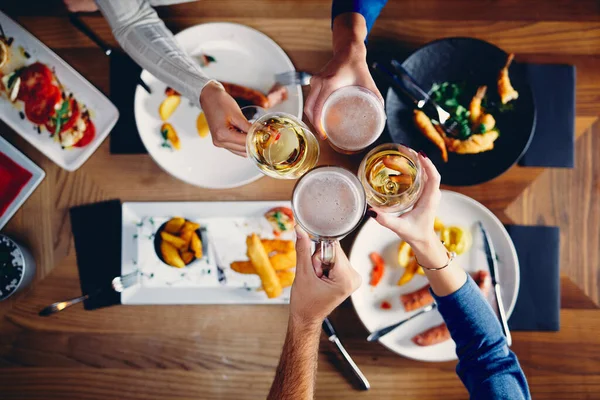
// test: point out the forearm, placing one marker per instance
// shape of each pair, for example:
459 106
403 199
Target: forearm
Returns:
368 9
144 36
297 369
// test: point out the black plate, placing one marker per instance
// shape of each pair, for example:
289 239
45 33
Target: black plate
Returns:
475 63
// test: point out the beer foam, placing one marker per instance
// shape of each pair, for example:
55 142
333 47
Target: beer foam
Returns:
352 118
328 203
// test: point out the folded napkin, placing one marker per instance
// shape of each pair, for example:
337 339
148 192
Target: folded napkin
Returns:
124 138
538 302
97 232
553 143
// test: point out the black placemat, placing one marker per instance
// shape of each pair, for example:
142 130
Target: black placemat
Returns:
538 302
124 138
553 143
97 234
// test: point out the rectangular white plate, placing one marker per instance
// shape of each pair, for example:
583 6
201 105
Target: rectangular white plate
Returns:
228 224
104 113
37 177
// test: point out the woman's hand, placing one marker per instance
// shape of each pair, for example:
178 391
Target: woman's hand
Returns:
227 124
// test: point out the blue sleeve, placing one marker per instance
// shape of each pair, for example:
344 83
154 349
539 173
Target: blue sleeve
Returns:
369 9
486 366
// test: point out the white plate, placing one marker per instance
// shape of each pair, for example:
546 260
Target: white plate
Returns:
104 114
37 176
455 209
228 224
244 56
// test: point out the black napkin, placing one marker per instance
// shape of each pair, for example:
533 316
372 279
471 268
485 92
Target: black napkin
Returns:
124 72
97 233
553 143
538 302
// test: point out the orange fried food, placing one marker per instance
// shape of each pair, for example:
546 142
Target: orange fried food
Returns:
505 89
426 127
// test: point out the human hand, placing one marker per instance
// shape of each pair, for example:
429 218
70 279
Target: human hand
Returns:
81 5
348 67
227 124
314 295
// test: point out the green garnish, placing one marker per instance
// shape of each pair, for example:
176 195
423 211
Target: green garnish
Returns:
13 77
61 116
166 143
210 58
281 225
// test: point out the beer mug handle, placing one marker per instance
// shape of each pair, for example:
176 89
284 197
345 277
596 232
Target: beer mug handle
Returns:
327 255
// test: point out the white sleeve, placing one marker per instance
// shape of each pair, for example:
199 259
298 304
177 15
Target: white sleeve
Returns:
144 36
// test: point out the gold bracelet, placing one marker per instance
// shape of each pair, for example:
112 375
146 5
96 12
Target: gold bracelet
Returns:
451 257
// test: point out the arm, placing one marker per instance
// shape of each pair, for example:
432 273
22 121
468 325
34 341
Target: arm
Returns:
144 36
486 366
369 9
314 296
297 370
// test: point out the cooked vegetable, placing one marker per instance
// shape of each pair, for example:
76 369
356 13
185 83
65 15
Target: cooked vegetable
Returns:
176 241
404 254
168 106
190 226
202 125
456 239
385 305
174 225
378 268
409 272
170 135
171 255
196 245
187 257
438 225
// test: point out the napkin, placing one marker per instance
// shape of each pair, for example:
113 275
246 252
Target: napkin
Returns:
124 138
97 232
538 302
553 143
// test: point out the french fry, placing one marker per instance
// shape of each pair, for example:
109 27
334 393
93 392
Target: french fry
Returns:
190 226
260 260
196 245
174 225
171 255
279 261
176 241
277 245
187 257
187 236
286 278
409 272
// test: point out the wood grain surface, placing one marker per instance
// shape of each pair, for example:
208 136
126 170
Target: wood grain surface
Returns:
230 352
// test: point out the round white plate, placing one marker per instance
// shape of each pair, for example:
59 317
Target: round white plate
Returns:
455 209
244 56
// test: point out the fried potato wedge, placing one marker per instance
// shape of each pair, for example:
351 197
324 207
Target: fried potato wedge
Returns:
168 106
174 225
187 257
196 245
170 255
176 241
278 245
409 272
260 260
190 226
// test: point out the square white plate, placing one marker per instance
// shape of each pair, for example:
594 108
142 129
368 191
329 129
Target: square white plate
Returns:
104 113
37 177
228 224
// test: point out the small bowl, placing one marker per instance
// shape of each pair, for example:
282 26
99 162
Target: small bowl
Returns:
158 239
17 267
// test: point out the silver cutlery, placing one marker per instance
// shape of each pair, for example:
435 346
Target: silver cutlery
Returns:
331 334
490 253
118 284
106 48
403 81
218 262
384 331
293 78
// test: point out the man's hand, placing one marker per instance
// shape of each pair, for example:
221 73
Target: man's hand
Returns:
227 124
81 5
314 295
348 67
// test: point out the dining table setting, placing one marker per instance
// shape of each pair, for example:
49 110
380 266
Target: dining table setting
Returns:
140 261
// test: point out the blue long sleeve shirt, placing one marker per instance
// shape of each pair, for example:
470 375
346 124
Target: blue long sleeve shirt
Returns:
369 9
486 366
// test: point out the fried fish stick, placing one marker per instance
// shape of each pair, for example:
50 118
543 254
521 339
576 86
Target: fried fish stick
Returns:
278 245
424 124
279 261
505 88
477 143
260 260
286 278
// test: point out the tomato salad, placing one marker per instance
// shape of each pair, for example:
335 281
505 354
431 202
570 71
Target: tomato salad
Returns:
47 104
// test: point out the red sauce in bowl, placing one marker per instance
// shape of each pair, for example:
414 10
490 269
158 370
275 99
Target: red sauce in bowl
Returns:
13 178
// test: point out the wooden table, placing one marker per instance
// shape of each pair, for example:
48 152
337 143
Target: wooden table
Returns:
230 352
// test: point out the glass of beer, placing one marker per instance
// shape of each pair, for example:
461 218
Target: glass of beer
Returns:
279 144
392 177
353 118
328 203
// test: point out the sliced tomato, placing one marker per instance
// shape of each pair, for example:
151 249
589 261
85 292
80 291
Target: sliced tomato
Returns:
74 114
378 268
88 135
41 107
34 79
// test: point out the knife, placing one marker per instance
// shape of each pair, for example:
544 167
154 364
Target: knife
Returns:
490 253
106 48
328 328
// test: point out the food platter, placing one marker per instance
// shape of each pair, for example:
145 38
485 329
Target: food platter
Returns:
227 224
471 63
243 56
455 209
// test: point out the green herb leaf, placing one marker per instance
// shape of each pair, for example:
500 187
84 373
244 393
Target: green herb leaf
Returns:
61 116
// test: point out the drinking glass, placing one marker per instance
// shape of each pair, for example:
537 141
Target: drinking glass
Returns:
392 177
280 145
328 203
353 118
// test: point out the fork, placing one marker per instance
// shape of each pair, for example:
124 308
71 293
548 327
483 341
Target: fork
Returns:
118 284
293 78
